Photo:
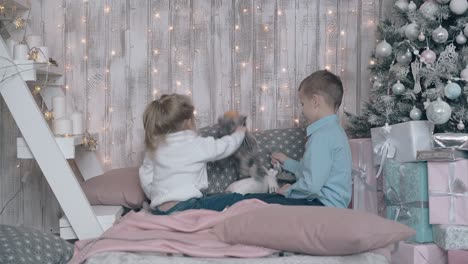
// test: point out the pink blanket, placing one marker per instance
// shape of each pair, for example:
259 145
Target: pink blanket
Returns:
187 232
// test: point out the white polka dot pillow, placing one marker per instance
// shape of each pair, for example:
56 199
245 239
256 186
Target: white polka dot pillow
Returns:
25 245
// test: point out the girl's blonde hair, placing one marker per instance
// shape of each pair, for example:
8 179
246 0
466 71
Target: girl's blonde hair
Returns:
168 114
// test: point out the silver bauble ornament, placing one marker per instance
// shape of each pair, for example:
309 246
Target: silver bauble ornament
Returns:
421 36
428 56
465 30
452 90
402 4
405 58
383 49
438 112
458 7
460 39
429 10
398 88
460 125
412 6
464 73
440 35
442 2
415 113
412 31
373 78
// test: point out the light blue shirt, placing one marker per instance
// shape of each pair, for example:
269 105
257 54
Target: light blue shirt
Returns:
324 172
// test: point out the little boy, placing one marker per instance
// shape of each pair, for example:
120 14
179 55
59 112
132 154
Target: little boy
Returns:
323 175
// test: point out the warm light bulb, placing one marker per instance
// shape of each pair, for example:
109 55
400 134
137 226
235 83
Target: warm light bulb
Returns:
83 40
262 108
330 12
37 89
266 28
327 67
155 70
171 28
280 12
283 69
156 51
107 9
245 10
237 27
178 83
113 52
157 15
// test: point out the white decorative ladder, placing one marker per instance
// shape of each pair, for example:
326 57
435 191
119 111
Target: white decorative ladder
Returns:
46 151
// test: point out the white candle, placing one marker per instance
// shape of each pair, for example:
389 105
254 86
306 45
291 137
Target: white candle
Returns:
34 41
21 52
62 126
58 107
43 55
77 120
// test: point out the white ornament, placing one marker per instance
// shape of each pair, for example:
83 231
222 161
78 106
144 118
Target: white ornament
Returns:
415 113
464 73
439 112
412 6
405 58
428 56
412 31
443 2
402 4
429 10
440 35
421 36
452 90
398 88
458 7
460 39
383 49
460 125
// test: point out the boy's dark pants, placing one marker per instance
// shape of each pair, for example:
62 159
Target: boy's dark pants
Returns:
220 201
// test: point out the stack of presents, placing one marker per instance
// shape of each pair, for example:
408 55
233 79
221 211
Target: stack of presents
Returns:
407 173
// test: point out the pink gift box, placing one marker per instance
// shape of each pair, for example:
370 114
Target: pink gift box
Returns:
457 257
448 194
365 184
408 253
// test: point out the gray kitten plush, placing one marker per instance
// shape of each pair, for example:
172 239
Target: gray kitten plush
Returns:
262 179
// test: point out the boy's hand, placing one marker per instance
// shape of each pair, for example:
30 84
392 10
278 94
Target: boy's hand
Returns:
283 189
278 157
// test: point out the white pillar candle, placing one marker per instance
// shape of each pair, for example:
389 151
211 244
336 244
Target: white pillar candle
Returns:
43 55
62 126
21 52
58 107
34 41
77 121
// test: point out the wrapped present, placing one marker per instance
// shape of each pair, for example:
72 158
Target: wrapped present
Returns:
367 189
441 154
448 193
401 141
451 237
457 257
406 195
409 253
450 140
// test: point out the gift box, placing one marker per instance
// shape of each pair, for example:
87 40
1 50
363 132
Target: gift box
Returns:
367 189
457 257
441 154
448 194
450 140
406 195
401 141
451 237
409 253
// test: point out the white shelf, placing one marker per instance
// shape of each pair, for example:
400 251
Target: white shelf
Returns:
66 144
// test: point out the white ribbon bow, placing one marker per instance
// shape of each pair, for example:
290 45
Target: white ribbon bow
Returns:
384 149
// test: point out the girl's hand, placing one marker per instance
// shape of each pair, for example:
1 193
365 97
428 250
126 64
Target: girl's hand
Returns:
283 189
278 157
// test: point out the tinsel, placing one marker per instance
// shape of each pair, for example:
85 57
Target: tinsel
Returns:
384 107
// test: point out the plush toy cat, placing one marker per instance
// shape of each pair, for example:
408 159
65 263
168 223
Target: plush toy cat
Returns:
259 179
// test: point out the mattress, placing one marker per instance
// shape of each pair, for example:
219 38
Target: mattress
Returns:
281 258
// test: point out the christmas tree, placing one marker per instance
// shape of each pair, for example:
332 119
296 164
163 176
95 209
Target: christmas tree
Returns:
419 68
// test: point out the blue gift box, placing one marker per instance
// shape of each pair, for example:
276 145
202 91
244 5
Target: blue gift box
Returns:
406 195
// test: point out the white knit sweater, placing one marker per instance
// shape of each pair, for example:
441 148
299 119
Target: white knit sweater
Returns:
177 171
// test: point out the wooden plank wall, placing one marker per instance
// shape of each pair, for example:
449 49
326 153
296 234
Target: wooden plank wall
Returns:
244 55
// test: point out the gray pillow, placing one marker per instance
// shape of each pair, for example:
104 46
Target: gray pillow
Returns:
290 141
26 245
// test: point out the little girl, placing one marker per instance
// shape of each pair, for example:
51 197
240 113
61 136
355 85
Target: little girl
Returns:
174 168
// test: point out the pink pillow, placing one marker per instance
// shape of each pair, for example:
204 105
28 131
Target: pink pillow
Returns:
115 187
312 230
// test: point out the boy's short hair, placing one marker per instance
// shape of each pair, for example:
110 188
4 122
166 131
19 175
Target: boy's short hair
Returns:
326 84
